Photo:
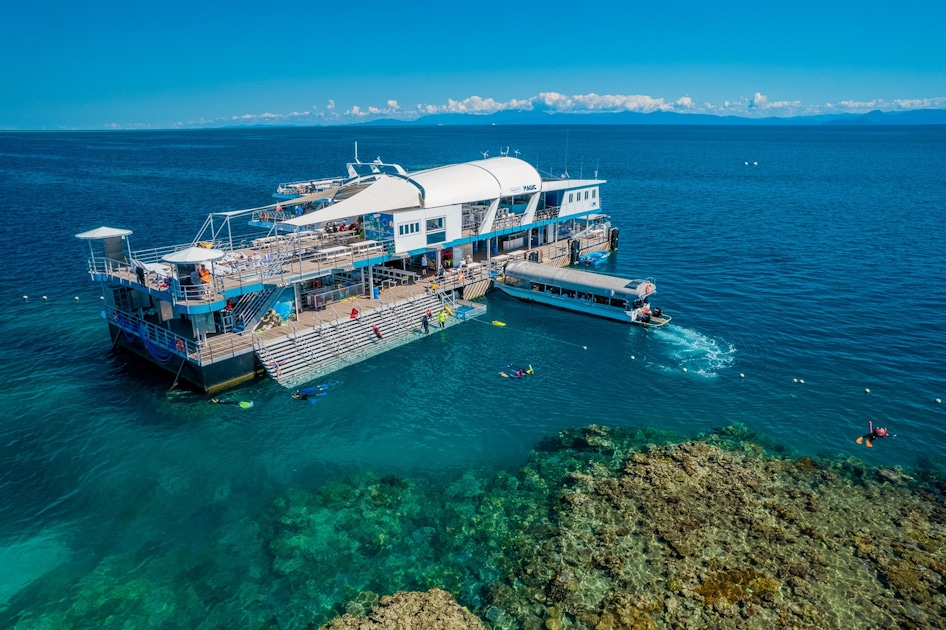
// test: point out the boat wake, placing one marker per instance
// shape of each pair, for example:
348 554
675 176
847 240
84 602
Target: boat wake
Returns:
694 351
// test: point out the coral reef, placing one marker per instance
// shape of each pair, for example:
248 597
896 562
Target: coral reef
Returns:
601 529
433 610
714 534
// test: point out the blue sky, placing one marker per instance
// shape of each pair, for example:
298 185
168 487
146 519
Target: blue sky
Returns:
104 64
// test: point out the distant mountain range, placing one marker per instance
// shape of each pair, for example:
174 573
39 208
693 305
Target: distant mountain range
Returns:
912 117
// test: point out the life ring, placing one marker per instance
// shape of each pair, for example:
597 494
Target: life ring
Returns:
179 344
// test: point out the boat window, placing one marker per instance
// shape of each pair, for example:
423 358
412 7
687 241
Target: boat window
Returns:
586 194
408 228
570 197
594 193
600 299
618 303
436 233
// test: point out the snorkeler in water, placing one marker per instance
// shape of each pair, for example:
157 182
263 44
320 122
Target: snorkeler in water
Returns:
873 434
242 404
521 372
308 393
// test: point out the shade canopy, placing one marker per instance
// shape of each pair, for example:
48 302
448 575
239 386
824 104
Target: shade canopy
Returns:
194 255
104 232
387 194
470 182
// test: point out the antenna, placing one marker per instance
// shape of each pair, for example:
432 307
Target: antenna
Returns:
356 153
581 168
596 168
565 174
504 153
516 151
485 154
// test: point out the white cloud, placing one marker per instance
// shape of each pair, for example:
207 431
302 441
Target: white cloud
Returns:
475 105
921 103
756 106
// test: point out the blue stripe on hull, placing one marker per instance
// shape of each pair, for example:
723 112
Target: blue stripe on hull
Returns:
568 304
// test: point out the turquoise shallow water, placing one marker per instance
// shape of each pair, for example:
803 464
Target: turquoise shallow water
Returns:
823 262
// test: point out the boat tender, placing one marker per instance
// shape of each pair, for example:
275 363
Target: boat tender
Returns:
594 259
611 297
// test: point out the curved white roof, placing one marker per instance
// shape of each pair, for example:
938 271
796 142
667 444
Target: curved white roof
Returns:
476 181
481 180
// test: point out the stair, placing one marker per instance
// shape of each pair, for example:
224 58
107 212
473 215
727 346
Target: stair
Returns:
304 355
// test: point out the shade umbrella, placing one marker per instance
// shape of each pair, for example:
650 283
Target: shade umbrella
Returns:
194 255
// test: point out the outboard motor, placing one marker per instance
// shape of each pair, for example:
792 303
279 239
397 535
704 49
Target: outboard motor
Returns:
657 311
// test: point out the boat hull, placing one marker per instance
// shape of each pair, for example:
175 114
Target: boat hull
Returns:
578 306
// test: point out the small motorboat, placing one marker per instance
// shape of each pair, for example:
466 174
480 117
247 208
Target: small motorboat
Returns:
594 259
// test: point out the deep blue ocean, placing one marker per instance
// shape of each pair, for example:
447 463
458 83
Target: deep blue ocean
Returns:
813 254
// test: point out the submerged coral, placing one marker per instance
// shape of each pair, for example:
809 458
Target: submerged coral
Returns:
433 610
601 529
710 533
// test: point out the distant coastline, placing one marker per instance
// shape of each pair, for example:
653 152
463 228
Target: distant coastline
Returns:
874 118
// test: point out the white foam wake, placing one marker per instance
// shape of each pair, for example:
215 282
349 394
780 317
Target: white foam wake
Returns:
695 351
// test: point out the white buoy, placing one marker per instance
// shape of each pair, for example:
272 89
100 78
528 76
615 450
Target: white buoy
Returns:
747 164
938 401
755 163
44 298
794 380
76 298
101 297
26 297
633 357
584 347
801 381
867 390
684 369
741 375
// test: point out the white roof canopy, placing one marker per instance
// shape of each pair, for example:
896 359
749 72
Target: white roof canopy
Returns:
104 232
194 255
481 180
385 195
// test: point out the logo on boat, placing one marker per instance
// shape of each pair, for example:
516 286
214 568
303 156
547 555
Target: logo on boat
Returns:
527 188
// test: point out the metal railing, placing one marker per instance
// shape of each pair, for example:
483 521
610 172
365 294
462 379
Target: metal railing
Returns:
160 337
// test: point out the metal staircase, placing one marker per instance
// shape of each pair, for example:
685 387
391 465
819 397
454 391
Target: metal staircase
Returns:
308 354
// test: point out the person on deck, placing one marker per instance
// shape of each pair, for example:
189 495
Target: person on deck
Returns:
442 318
423 264
205 277
425 322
